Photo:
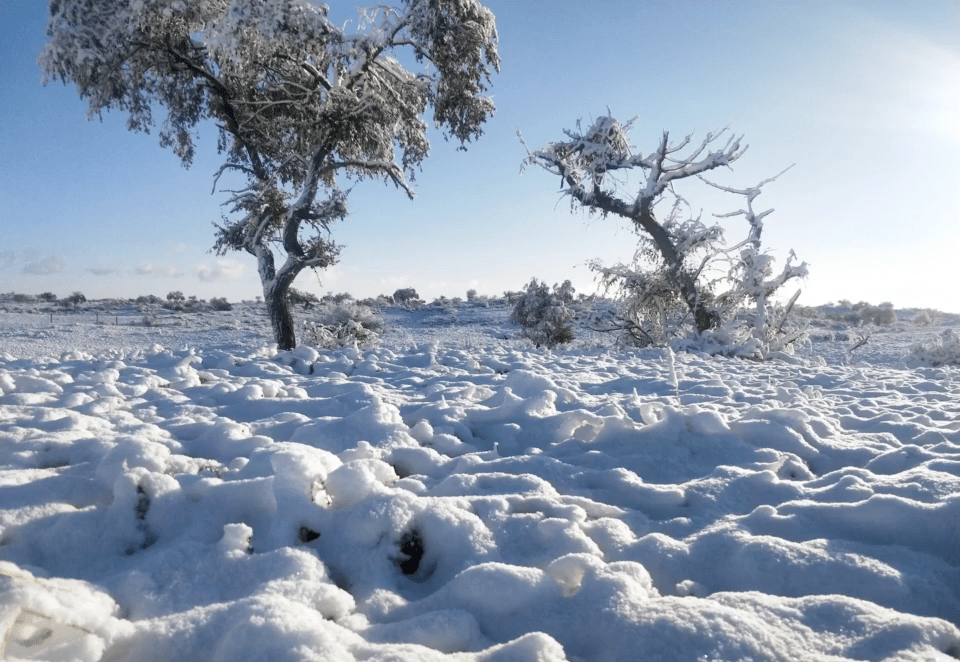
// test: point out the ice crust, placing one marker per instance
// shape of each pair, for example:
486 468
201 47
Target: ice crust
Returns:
452 499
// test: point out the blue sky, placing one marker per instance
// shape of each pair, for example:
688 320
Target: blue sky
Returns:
862 96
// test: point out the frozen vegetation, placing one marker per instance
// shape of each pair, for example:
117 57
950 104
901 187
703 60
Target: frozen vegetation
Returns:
174 488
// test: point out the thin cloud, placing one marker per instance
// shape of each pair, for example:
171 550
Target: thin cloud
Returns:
158 270
44 267
101 271
220 270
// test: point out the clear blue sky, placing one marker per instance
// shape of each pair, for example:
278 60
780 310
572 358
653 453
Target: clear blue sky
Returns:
863 96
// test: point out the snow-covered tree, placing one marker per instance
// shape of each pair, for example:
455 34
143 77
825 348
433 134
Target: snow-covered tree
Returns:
588 164
675 274
300 102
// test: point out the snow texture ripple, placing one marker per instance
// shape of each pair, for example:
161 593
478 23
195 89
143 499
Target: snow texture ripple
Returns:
450 495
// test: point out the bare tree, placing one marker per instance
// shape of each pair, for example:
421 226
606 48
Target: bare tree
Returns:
588 162
299 102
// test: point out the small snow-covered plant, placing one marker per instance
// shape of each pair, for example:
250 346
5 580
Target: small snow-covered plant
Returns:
47 296
544 314
176 295
339 324
940 351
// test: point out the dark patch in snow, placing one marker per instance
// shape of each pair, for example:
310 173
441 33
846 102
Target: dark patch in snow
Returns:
307 535
411 550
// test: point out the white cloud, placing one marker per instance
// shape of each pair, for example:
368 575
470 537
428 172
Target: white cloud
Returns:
159 270
101 270
221 269
43 267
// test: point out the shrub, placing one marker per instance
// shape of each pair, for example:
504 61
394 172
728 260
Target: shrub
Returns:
865 313
150 298
544 314
511 297
408 298
73 300
378 303
48 296
337 298
942 350
295 296
220 303
923 318
176 295
340 324
23 298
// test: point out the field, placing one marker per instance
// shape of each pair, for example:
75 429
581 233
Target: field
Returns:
173 488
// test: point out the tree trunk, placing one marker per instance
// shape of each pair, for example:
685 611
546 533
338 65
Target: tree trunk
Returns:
280 318
703 318
275 286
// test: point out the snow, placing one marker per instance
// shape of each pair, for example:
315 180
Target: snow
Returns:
184 491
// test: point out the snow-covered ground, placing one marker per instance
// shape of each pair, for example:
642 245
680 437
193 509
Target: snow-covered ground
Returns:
181 491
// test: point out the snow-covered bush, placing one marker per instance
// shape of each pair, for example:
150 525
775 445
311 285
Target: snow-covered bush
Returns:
48 296
378 302
544 314
446 304
73 300
408 298
923 318
306 299
220 303
940 351
340 324
883 314
176 295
